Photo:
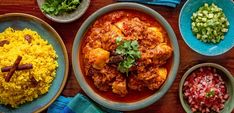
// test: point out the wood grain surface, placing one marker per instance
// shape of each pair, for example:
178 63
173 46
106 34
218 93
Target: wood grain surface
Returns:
167 104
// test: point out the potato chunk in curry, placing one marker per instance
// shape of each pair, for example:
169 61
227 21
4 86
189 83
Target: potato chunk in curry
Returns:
99 57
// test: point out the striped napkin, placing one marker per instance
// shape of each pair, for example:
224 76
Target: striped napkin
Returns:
170 3
77 104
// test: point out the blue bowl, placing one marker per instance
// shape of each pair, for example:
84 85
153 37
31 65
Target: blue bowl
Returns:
206 49
123 106
20 21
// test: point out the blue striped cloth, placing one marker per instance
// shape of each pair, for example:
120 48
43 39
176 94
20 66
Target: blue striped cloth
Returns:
170 3
77 104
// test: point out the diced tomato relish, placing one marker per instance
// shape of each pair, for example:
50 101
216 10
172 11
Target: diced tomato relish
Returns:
205 90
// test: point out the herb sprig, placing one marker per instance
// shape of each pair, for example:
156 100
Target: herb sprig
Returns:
129 50
57 7
209 94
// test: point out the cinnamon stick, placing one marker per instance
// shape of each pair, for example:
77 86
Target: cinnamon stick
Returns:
12 70
19 67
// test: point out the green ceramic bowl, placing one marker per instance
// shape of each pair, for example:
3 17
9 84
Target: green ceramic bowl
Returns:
121 105
69 17
20 21
229 82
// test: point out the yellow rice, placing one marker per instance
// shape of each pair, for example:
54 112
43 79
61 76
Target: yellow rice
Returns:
39 53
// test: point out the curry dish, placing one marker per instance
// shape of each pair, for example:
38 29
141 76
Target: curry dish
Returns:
125 52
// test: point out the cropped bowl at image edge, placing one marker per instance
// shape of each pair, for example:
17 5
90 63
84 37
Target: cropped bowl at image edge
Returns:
125 106
207 49
67 17
225 75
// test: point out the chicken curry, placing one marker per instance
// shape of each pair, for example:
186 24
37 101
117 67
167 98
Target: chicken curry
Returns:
125 55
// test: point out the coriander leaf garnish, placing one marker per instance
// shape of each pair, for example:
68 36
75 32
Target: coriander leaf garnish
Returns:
57 7
129 50
118 40
209 94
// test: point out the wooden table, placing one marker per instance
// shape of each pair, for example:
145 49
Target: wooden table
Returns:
167 104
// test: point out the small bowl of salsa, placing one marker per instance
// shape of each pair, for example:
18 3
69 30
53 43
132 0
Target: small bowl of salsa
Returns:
207 87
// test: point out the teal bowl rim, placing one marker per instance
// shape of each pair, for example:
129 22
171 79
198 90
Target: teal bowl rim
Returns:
202 53
121 105
59 39
217 66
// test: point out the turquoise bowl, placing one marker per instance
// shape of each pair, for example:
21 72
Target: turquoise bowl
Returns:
192 6
21 21
226 76
121 105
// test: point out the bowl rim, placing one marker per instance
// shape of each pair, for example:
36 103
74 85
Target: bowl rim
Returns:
59 39
190 70
53 18
183 37
120 105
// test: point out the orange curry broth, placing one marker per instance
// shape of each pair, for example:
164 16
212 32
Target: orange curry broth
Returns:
132 95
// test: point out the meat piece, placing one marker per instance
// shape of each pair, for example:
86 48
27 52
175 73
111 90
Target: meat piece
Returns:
162 52
109 72
102 37
98 58
159 80
114 65
116 59
119 86
135 83
113 53
131 27
110 32
155 33
152 37
109 35
155 83
154 77
156 56
103 79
